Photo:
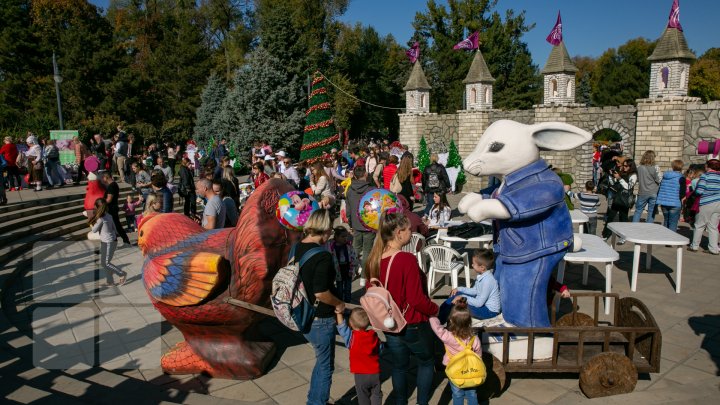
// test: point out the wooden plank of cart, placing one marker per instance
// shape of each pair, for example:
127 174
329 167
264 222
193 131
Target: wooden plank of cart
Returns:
608 356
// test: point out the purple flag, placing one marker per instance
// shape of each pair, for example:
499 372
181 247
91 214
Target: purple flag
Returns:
471 42
414 52
555 36
674 20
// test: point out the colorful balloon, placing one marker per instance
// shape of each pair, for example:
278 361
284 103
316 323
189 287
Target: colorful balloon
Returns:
294 209
372 204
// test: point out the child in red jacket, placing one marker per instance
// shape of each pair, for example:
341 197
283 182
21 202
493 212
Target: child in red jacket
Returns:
364 347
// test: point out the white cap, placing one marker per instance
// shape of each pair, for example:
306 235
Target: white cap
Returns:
281 153
268 157
333 150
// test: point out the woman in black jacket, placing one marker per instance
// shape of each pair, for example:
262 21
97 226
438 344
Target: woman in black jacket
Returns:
187 188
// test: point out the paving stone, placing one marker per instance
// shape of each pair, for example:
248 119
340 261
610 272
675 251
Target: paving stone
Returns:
69 386
538 391
241 391
27 395
297 395
269 382
106 378
684 374
297 354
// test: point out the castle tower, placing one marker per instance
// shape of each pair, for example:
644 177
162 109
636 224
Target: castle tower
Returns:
559 77
417 91
478 85
670 65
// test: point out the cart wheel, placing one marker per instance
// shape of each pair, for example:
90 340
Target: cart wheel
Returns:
495 381
580 320
608 374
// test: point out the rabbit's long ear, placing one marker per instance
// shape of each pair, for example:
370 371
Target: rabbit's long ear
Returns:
558 136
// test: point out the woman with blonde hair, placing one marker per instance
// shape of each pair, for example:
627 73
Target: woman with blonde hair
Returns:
407 285
318 275
321 186
648 179
404 175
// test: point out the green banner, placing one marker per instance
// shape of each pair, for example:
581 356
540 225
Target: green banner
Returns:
69 134
64 143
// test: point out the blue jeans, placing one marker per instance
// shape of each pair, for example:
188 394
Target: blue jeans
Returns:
322 339
671 216
642 200
417 340
429 202
459 395
52 172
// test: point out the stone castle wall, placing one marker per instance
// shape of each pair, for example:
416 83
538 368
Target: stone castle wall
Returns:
702 122
672 127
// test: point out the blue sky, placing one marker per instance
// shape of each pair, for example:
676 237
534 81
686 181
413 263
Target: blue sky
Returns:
589 26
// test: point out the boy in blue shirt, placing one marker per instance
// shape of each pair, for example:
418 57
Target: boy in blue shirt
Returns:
483 298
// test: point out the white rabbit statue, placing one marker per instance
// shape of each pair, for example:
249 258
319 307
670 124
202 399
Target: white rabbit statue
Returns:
532 222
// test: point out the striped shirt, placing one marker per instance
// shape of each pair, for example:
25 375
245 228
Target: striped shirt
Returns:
708 187
589 203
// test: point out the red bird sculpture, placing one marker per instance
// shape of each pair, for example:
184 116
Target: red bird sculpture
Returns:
188 272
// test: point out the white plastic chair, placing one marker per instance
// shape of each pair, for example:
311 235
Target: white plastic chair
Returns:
446 260
415 246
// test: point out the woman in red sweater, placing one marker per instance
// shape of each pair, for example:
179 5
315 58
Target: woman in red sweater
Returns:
10 153
407 285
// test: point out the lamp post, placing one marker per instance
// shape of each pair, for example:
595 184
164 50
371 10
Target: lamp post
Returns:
58 79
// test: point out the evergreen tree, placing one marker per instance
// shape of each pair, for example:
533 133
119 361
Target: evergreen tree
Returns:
423 156
263 104
206 122
320 133
454 160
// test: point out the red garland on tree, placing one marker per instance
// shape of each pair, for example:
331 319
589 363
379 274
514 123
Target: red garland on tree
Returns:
320 133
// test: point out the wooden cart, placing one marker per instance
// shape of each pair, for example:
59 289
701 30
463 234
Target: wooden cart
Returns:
607 356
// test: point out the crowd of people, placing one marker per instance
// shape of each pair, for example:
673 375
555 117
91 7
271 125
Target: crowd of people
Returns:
689 195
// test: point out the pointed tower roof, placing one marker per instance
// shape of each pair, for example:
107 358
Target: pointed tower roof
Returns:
671 45
479 72
559 61
417 79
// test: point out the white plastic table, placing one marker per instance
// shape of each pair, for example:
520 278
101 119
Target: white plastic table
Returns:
642 233
593 249
442 235
579 218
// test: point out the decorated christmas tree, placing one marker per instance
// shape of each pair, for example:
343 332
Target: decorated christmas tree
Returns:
320 133
454 160
423 157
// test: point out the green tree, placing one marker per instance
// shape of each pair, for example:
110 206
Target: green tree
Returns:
320 133
229 29
263 104
296 31
371 64
423 157
705 76
622 76
454 160
207 123
517 84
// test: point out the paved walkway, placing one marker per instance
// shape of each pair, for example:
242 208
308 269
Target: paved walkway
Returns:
113 338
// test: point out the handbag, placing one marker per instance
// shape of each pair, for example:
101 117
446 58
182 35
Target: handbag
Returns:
395 185
623 200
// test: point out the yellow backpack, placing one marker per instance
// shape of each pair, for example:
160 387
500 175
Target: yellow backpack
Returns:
466 369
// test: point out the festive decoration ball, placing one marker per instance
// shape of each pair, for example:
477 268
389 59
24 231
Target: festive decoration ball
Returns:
294 209
372 204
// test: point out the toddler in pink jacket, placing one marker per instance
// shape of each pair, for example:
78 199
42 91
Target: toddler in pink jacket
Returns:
459 327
